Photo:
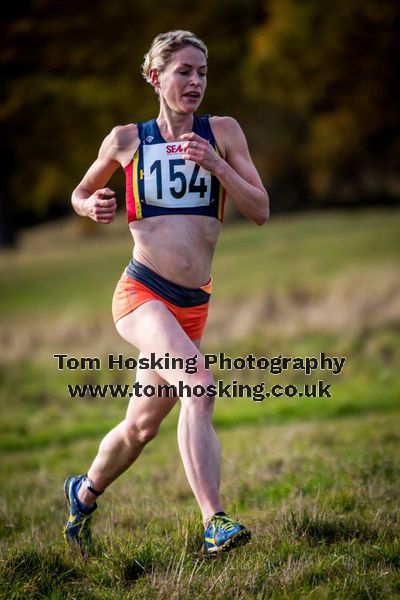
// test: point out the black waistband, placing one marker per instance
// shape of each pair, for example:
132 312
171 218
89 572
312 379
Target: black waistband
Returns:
171 292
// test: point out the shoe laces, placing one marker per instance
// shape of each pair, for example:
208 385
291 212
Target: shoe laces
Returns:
224 523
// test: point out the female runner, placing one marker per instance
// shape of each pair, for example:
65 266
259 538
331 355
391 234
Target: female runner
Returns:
178 168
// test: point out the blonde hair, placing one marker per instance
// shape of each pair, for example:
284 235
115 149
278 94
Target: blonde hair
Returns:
164 45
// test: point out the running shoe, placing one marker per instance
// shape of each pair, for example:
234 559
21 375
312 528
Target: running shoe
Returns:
77 530
223 534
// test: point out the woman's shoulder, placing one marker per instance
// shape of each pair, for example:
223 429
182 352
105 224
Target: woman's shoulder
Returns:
224 123
226 131
225 128
122 142
123 136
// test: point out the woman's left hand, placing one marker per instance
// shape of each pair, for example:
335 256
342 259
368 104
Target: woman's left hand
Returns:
200 151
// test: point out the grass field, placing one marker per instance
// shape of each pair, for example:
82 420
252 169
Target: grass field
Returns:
316 480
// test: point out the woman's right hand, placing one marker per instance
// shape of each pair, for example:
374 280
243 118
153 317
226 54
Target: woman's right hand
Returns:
101 206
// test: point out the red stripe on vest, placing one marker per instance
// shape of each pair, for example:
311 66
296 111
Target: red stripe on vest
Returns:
130 199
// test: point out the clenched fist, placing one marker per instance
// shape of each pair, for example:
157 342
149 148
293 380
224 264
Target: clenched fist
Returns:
101 206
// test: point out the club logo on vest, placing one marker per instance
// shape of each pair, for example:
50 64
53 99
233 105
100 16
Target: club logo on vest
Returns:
174 148
149 139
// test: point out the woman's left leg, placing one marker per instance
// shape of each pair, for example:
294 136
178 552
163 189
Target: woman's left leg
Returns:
153 329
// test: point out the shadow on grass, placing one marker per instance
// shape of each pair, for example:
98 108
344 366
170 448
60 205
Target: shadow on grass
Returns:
32 573
291 412
331 528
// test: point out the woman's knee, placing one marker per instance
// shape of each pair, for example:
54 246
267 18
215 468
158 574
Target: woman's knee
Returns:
199 392
199 396
141 433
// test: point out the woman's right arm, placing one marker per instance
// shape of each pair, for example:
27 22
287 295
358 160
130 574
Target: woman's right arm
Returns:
90 198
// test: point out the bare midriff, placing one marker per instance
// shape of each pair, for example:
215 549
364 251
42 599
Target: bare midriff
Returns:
180 248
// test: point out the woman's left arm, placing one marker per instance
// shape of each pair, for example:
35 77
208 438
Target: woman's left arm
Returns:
236 172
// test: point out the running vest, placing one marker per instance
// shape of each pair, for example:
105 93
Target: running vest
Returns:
160 182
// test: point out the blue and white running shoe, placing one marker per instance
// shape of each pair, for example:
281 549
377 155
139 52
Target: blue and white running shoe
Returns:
223 534
77 530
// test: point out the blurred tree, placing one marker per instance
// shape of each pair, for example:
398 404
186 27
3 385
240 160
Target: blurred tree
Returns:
327 75
314 86
71 72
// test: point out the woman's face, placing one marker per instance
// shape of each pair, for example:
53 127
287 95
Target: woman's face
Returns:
183 82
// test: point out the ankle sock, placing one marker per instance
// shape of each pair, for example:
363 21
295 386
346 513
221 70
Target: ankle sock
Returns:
84 508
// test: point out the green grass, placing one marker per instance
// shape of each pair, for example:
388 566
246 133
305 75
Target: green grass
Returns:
286 253
316 480
322 507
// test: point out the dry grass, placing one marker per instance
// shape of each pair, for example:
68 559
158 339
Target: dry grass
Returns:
355 296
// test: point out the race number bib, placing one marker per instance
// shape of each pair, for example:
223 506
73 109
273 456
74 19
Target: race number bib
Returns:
172 182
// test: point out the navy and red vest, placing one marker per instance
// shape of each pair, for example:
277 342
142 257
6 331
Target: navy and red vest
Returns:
160 182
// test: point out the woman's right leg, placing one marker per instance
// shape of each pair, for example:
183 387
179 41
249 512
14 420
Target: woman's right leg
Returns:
123 444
